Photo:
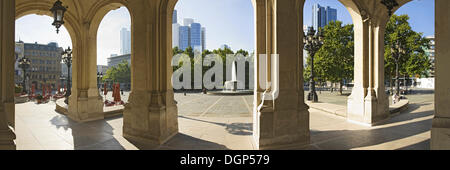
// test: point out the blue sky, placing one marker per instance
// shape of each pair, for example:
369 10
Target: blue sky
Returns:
228 22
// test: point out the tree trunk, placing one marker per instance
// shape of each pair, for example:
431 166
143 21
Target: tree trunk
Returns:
406 84
397 74
340 86
391 84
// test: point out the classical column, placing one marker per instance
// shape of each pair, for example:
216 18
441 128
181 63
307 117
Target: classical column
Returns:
440 131
151 115
260 39
368 103
85 102
7 24
282 118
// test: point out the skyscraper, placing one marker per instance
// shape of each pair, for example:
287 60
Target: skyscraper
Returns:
196 36
125 41
176 35
322 16
184 37
188 21
203 39
175 17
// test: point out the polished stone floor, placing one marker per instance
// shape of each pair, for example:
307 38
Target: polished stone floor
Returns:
218 122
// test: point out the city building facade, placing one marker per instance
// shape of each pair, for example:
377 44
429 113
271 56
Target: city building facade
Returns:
431 52
45 63
102 69
113 61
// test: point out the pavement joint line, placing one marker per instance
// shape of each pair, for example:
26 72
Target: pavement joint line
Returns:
197 97
246 104
210 107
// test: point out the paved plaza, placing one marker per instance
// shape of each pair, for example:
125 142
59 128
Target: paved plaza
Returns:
220 122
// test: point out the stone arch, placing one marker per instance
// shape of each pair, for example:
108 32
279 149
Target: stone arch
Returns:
95 16
43 8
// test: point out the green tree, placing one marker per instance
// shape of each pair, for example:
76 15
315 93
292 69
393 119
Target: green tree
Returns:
404 50
119 74
334 62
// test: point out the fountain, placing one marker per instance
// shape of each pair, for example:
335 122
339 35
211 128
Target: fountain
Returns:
231 87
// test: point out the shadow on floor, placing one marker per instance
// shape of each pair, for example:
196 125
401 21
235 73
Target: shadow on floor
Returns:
96 135
243 129
350 139
181 142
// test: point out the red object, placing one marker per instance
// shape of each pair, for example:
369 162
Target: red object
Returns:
59 89
117 97
65 89
43 90
32 92
118 94
105 89
49 90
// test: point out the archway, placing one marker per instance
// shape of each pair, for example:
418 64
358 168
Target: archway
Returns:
210 116
114 53
41 45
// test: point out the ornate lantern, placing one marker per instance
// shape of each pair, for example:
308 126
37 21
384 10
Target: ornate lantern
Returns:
390 4
58 11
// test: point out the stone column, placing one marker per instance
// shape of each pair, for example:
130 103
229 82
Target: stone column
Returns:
7 29
260 39
367 103
282 119
85 102
440 131
151 115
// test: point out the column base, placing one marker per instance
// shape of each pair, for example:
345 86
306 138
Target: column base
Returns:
7 138
368 110
148 120
440 134
85 109
285 127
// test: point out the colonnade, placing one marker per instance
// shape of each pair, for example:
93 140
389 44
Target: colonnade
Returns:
281 117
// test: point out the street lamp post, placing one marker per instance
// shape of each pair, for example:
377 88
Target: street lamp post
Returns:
24 64
67 59
99 78
313 42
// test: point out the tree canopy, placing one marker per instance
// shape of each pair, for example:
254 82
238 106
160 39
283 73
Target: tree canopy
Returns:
334 61
119 74
412 59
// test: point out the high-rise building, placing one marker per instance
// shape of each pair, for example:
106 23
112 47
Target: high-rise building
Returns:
175 17
176 35
184 37
203 38
196 36
45 63
191 34
188 21
331 14
321 16
125 41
